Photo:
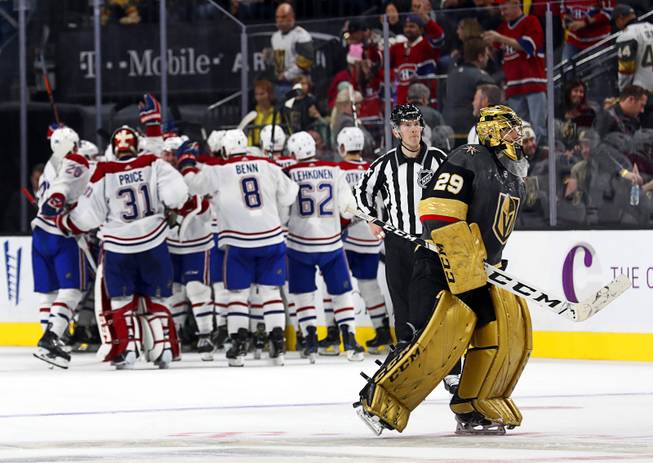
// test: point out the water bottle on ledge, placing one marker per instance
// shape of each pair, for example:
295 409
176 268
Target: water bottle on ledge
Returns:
634 195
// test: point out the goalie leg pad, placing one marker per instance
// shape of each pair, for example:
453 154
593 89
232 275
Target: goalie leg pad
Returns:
152 334
494 363
122 325
462 254
411 372
156 306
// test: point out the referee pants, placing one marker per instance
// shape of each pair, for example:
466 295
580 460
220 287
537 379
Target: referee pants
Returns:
399 261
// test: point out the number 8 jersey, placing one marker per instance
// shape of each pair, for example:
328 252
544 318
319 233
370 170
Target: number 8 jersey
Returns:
249 193
324 196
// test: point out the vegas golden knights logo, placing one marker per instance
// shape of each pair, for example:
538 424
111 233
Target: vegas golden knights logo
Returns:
279 61
505 217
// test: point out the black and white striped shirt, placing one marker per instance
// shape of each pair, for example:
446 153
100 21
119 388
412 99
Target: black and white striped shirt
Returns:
395 177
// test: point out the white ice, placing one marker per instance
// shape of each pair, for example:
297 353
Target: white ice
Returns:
196 411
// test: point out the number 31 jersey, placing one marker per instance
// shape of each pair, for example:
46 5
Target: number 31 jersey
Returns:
324 196
248 193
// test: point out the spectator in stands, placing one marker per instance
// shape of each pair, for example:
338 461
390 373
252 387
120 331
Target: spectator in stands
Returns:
521 38
624 115
395 24
12 213
485 95
292 50
487 14
462 82
264 96
124 12
586 22
419 95
303 112
342 116
577 109
416 59
467 29
537 156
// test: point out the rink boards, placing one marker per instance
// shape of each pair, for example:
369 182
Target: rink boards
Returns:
572 264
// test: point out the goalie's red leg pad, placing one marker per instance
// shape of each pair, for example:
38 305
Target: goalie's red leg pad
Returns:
116 321
169 331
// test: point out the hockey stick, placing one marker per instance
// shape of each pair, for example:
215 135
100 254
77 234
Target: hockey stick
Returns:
186 220
245 121
353 105
574 311
44 70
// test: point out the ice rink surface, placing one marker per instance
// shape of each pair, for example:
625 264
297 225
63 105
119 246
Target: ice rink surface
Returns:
207 412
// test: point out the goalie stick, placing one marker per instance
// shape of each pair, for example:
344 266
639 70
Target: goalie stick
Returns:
574 311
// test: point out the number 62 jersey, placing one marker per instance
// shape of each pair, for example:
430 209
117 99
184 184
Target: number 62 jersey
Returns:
249 193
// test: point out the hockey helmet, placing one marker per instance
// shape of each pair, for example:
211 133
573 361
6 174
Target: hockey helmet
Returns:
172 143
234 142
215 141
406 112
495 125
256 152
267 143
88 149
63 141
301 145
124 141
350 140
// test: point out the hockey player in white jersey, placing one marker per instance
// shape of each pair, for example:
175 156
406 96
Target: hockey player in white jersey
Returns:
314 241
273 140
190 247
127 197
361 246
249 192
59 267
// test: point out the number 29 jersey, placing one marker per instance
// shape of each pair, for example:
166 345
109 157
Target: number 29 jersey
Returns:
248 192
324 196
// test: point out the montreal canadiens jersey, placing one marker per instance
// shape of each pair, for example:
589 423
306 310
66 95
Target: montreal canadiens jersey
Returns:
198 234
359 237
635 56
248 192
285 161
68 176
127 197
324 196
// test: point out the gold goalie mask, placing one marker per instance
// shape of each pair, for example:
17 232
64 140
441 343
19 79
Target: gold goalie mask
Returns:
500 129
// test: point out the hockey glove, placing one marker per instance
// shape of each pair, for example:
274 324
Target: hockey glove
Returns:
193 203
187 157
149 112
169 129
67 227
54 205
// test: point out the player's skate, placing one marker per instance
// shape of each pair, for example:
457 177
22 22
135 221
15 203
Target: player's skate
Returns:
219 337
451 383
125 361
51 351
164 360
353 350
278 346
310 349
330 345
205 347
476 424
238 350
380 342
259 339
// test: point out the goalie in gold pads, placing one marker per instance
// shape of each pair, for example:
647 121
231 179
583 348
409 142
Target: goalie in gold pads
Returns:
468 210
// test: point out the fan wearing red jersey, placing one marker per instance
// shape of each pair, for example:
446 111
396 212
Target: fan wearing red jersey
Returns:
521 39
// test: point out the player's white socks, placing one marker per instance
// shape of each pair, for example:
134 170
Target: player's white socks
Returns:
62 309
178 305
327 304
200 299
45 302
255 307
273 310
306 312
292 306
237 311
220 300
343 310
374 301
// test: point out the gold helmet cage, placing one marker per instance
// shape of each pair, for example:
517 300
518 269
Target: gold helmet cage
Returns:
494 124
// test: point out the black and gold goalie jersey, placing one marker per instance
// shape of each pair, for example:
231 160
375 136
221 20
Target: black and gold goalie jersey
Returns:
473 186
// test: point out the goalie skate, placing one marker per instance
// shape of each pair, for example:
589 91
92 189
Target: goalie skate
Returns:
474 424
372 422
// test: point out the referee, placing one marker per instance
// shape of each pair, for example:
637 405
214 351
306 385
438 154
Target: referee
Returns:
398 177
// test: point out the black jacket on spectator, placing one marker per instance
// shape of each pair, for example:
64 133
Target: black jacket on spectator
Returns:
462 82
614 120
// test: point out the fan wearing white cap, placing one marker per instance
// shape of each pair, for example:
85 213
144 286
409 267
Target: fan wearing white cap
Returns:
248 192
314 242
58 265
361 246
